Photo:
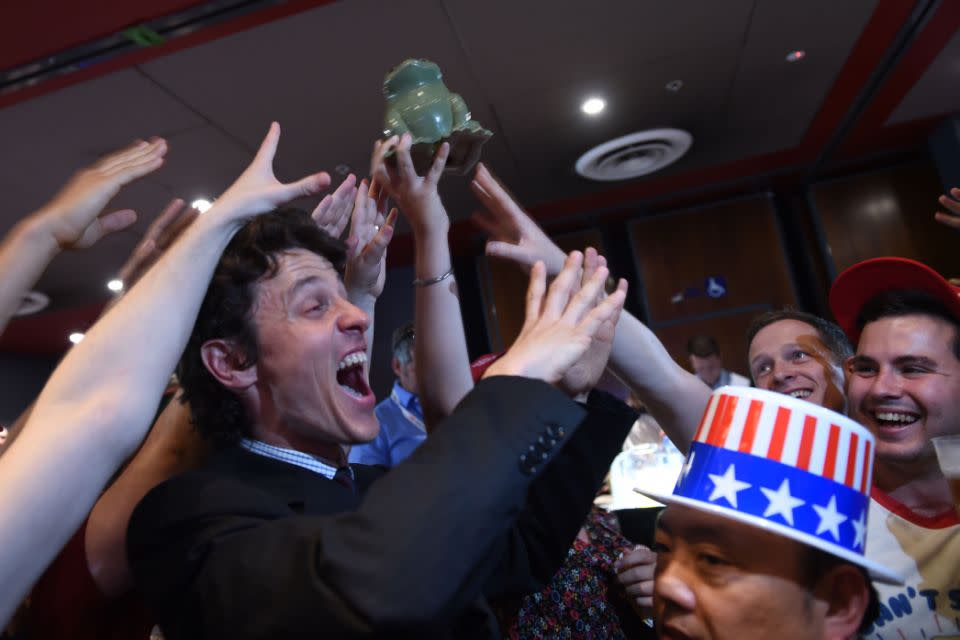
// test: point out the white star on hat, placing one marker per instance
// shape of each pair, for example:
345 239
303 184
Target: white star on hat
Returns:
860 529
781 502
727 486
830 518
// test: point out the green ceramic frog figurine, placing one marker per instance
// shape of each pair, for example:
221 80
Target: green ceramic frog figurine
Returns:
419 103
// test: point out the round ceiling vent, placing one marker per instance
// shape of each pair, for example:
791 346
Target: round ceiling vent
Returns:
32 302
633 155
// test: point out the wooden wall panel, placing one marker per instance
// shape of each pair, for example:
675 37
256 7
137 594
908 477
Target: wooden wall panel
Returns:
729 330
676 253
887 213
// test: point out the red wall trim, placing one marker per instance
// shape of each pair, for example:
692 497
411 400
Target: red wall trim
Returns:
871 133
143 55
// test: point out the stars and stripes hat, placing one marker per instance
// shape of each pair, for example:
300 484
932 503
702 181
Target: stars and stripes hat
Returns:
784 465
862 282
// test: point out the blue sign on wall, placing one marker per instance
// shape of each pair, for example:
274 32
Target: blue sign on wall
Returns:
715 286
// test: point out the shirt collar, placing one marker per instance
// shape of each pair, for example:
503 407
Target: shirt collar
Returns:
406 398
723 380
291 456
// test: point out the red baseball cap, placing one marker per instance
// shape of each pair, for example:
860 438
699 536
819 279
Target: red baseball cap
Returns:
860 283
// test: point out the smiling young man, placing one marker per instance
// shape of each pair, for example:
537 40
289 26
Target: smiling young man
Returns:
904 385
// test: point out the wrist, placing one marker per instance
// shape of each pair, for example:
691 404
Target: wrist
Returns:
429 221
37 231
502 370
432 258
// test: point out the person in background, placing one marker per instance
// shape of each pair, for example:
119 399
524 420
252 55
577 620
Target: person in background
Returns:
705 360
400 416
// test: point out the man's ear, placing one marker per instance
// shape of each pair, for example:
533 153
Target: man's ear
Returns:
226 362
846 591
395 365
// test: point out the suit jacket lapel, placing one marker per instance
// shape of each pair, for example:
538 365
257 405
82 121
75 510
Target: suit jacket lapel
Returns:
304 491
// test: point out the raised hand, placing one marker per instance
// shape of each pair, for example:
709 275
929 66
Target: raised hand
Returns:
161 233
416 196
333 212
560 326
257 190
72 217
513 234
370 234
952 205
583 375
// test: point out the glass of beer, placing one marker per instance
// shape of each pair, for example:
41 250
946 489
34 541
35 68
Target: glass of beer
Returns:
948 454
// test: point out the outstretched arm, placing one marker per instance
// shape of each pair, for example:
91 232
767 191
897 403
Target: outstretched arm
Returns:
98 404
442 361
71 220
674 396
371 230
161 233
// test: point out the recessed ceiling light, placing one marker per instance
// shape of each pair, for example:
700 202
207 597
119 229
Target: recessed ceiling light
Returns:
796 55
674 85
201 204
76 337
115 285
593 106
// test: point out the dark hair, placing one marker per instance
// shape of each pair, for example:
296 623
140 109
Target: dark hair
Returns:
891 304
819 563
833 337
403 343
702 346
251 256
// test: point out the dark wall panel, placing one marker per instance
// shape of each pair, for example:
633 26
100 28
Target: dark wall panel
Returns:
738 245
887 213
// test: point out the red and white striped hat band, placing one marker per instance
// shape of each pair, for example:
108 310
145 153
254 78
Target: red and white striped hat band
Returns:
805 436
785 465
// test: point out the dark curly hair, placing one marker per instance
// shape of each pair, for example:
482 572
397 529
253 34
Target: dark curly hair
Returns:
225 313
907 303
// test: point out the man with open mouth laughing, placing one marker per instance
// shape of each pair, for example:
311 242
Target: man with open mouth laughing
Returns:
276 536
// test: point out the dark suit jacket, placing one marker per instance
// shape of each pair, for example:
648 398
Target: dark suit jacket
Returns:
250 547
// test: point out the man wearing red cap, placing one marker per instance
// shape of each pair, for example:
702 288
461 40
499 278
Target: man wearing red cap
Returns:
904 385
